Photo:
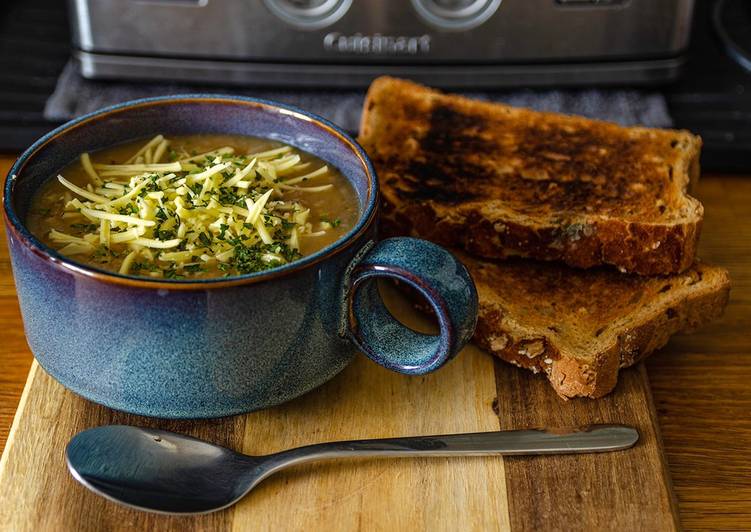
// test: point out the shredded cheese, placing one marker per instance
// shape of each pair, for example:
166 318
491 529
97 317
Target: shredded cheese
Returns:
102 215
89 169
170 219
125 266
81 191
139 154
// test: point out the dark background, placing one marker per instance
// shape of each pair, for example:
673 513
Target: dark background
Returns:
713 98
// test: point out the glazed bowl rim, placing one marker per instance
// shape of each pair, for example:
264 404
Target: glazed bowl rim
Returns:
13 222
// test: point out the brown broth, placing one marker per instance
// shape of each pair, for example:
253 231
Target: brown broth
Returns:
338 204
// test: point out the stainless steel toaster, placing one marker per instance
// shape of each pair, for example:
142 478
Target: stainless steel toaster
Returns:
346 43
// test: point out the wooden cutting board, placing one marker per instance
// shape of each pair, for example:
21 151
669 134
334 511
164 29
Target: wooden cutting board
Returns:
625 490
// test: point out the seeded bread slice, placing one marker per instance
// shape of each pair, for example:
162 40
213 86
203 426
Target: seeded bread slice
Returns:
579 327
501 181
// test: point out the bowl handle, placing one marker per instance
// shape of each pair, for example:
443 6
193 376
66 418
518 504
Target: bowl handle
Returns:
438 277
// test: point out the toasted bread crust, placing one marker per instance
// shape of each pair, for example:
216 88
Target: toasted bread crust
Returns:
625 319
502 182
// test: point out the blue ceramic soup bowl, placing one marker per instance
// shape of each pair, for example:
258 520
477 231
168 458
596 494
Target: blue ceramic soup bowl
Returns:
216 347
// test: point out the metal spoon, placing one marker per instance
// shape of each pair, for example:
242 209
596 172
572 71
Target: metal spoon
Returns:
160 471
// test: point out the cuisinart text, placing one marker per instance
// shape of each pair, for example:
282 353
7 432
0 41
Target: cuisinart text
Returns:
376 44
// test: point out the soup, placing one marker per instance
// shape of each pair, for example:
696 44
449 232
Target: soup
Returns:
195 206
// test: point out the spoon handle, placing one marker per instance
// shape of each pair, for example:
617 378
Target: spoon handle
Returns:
593 438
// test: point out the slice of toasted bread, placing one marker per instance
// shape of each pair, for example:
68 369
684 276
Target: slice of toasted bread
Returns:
580 326
501 181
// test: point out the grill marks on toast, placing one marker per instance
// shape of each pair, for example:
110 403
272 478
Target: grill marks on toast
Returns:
442 171
568 169
501 181
578 327
579 170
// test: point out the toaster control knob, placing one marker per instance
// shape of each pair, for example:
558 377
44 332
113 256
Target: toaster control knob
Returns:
309 14
455 14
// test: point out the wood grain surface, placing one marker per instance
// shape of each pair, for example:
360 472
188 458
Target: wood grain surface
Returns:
15 357
700 384
625 490
365 401
592 492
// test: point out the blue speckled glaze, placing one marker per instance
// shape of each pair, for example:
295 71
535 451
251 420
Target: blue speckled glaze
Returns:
216 347
439 277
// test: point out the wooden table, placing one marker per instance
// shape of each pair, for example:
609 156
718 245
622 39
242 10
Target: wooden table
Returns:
701 383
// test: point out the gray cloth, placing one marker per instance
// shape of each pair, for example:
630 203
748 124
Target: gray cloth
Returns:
75 96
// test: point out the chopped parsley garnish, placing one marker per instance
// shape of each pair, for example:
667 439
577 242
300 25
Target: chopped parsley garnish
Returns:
205 239
222 229
228 197
129 209
167 234
259 257
174 213
333 223
171 273
144 266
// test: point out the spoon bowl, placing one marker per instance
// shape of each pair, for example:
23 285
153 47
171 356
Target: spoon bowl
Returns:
158 470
